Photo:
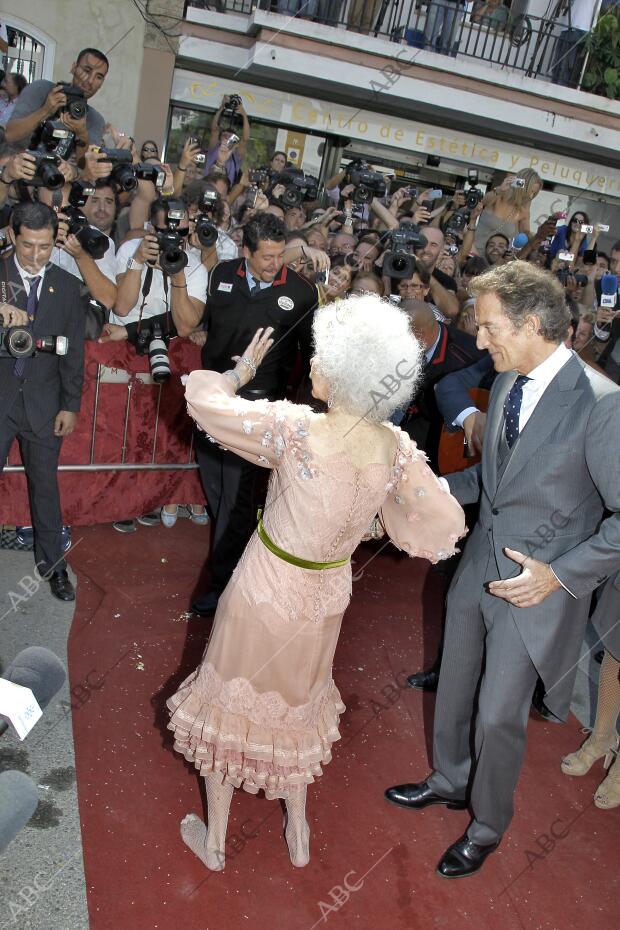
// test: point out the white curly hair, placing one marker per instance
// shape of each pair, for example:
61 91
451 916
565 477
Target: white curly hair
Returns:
366 352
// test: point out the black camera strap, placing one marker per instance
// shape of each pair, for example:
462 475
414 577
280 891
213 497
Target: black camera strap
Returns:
146 288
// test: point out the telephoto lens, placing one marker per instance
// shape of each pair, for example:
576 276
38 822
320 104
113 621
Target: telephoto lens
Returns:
159 361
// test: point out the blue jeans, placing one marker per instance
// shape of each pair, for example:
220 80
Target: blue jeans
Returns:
568 57
307 8
441 25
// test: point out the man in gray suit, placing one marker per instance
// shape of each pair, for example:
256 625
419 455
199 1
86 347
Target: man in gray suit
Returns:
518 604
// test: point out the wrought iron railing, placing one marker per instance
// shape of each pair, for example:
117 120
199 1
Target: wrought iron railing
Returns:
488 32
24 55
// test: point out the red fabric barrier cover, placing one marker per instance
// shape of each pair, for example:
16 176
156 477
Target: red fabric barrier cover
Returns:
104 496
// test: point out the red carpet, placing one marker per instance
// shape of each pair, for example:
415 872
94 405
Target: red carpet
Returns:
372 864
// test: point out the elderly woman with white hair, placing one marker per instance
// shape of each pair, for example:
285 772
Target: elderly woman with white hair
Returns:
262 710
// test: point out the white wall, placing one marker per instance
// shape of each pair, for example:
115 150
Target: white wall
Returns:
75 24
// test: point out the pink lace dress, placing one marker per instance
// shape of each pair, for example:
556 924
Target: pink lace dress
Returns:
262 709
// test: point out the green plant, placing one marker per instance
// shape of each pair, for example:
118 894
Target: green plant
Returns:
603 70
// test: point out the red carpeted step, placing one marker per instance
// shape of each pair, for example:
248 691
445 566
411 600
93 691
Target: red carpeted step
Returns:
372 864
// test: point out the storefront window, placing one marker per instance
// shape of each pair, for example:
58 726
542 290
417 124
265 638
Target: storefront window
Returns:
186 122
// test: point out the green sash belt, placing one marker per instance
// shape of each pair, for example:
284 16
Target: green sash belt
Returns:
287 557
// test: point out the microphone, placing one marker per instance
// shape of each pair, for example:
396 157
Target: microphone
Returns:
18 802
520 241
38 669
609 290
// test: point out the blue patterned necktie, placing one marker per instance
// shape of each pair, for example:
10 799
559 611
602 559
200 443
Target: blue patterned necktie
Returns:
512 409
31 309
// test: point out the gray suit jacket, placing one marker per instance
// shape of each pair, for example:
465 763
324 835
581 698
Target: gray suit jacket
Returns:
549 503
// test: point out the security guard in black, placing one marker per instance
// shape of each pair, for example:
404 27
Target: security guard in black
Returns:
234 313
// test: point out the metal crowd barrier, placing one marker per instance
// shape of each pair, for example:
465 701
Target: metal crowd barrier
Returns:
120 376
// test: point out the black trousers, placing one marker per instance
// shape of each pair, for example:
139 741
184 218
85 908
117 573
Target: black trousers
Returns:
235 489
40 452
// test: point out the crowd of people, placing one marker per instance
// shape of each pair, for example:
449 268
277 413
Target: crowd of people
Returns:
258 264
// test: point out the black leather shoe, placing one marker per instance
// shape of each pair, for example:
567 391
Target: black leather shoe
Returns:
206 605
464 858
61 587
541 708
421 795
424 681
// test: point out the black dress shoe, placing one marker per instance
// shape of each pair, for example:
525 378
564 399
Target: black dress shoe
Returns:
424 681
541 708
206 605
464 858
61 587
421 795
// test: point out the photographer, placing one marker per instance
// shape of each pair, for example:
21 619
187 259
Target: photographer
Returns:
72 253
145 291
40 394
221 154
42 100
206 211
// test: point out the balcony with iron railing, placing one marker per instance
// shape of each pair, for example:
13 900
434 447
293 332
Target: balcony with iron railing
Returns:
506 37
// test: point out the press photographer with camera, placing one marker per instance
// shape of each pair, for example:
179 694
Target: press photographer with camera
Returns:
41 373
206 210
67 101
81 248
158 276
427 244
226 149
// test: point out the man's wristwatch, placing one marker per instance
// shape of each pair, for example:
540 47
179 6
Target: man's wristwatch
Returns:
133 265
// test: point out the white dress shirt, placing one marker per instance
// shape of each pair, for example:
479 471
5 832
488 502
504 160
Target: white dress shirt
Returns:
540 379
27 277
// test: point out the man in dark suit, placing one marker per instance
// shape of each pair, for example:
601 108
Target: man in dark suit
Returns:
40 395
447 349
244 294
519 601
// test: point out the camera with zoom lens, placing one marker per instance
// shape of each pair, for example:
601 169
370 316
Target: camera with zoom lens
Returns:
172 255
76 105
367 183
229 113
151 341
125 174
123 171
50 142
457 223
473 197
206 230
400 261
261 177
92 240
298 187
17 342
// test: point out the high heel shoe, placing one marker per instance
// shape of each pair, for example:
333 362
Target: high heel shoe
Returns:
580 762
298 847
607 794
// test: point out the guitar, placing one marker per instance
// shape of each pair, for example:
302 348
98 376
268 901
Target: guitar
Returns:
453 452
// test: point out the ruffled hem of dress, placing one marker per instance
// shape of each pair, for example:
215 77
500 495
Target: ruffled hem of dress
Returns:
252 756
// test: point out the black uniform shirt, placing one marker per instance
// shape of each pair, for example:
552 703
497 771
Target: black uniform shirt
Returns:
232 317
